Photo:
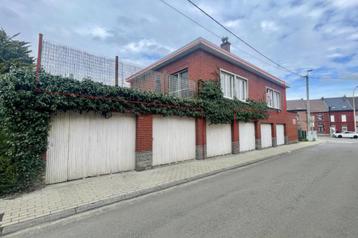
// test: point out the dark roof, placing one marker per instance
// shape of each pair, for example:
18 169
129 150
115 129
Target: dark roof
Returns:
316 105
296 105
350 99
339 104
213 49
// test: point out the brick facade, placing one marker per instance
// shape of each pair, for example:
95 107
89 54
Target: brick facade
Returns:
338 123
202 65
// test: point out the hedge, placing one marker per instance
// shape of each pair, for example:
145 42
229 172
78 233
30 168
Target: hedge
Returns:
26 108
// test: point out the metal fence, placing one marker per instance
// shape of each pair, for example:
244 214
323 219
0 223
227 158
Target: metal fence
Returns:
77 64
177 84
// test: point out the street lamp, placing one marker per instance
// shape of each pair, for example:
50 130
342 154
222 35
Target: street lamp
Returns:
308 106
354 110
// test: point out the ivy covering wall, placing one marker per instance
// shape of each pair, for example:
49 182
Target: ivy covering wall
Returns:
27 106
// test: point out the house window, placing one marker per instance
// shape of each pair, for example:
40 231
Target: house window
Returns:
233 86
273 99
226 83
179 84
344 128
332 118
344 118
319 117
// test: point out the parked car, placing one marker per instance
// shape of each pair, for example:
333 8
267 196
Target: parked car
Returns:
346 134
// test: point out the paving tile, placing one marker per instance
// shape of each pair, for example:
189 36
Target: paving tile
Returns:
59 197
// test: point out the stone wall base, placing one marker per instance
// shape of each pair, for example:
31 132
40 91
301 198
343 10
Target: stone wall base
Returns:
235 147
286 140
143 160
200 152
258 144
274 142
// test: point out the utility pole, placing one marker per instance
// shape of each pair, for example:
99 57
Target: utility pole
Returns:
354 110
308 107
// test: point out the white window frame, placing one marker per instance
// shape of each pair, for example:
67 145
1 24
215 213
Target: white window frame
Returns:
344 128
271 100
344 118
179 84
232 90
332 118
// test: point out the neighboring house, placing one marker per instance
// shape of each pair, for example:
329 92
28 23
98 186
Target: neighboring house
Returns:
327 114
178 74
319 114
299 108
341 114
356 106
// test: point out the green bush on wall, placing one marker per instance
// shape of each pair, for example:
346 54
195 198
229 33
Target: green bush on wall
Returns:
26 109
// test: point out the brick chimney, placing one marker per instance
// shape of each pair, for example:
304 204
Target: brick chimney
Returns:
225 44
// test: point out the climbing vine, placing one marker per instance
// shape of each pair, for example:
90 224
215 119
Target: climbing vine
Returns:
26 107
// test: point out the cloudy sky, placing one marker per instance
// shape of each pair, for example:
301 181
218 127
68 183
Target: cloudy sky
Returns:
318 35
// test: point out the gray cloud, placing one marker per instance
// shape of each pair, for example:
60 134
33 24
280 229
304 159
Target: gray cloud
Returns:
298 34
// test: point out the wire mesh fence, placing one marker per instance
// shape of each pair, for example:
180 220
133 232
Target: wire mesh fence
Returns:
68 62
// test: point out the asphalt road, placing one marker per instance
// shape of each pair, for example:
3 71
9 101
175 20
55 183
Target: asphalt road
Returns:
308 193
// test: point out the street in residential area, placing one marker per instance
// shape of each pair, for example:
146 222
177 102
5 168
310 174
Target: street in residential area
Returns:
312 192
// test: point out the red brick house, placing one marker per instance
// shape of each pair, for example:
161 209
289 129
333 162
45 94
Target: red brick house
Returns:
341 114
178 74
319 114
327 114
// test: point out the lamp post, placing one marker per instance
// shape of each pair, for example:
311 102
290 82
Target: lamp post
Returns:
354 109
308 106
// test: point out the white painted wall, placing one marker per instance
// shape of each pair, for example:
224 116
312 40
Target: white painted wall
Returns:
173 139
83 145
218 139
247 136
266 135
280 134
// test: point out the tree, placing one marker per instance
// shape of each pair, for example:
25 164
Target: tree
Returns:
13 52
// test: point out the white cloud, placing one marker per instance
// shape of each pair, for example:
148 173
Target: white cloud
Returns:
354 36
268 26
233 23
344 3
95 31
100 32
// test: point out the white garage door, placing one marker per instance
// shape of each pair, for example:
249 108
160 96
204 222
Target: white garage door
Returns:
83 145
247 136
266 135
280 134
218 139
173 139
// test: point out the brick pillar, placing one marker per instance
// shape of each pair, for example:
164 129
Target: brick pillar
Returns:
235 136
273 133
144 142
258 135
200 134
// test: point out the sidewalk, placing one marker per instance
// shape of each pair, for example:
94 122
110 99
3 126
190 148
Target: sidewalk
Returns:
65 199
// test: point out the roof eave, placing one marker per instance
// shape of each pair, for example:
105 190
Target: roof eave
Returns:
214 50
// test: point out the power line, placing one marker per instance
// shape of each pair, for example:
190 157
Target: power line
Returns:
242 40
218 36
191 19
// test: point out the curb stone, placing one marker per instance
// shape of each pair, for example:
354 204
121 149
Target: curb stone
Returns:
11 228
